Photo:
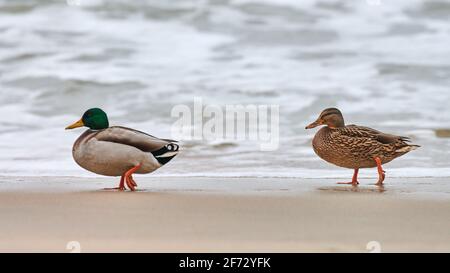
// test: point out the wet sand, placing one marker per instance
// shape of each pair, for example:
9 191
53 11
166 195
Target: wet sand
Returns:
221 215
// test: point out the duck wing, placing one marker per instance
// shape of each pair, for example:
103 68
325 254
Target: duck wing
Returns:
162 149
366 132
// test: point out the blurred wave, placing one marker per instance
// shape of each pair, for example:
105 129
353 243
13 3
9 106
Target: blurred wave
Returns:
385 66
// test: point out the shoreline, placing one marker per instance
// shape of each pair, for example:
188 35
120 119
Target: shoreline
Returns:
428 188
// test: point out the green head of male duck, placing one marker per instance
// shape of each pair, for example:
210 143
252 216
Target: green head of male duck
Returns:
94 118
331 117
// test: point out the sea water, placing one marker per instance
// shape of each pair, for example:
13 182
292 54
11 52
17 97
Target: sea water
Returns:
385 64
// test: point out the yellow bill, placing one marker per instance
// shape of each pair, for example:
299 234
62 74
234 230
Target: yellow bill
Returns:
77 124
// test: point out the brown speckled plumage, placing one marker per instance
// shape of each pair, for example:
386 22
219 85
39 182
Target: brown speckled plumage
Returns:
355 147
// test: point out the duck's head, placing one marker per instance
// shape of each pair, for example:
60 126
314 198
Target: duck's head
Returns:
94 118
331 117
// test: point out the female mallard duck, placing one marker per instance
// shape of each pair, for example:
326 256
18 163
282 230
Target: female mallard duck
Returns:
118 151
355 147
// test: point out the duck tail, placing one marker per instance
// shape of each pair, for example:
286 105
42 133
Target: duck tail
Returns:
405 139
407 148
166 153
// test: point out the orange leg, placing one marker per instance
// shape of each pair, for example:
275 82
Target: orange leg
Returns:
381 172
129 178
354 179
121 186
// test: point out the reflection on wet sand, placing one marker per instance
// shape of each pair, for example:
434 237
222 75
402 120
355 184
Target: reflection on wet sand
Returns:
351 188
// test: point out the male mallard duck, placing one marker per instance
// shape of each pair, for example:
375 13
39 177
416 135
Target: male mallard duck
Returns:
355 147
118 151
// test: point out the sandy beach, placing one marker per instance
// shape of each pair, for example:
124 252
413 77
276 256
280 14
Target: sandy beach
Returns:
41 214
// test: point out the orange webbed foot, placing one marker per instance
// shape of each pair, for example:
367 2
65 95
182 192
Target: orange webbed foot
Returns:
129 178
116 188
354 179
348 183
121 186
